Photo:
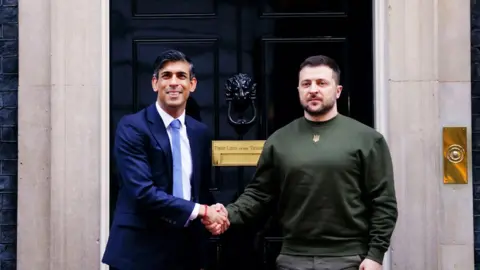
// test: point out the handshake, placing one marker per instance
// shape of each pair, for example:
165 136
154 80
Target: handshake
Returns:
215 218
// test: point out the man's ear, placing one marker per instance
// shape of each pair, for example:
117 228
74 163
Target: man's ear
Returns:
339 91
154 84
193 81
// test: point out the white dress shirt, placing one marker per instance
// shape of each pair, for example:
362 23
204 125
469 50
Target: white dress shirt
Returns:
186 155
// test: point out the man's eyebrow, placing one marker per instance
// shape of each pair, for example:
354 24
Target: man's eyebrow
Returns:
315 79
170 72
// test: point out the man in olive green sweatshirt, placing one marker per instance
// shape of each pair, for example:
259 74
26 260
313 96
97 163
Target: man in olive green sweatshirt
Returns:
329 177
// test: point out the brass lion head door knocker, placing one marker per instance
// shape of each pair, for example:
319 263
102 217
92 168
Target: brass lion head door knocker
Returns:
240 95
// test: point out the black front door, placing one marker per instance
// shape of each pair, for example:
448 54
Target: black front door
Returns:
266 40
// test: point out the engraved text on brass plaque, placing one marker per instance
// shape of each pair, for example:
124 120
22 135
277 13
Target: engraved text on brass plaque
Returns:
236 153
455 170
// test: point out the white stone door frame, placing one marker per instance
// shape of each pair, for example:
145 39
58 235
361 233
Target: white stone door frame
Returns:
105 131
380 47
380 71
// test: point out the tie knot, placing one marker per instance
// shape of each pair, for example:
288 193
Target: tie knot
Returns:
176 124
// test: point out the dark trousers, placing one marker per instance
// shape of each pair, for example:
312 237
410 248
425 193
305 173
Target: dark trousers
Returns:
289 262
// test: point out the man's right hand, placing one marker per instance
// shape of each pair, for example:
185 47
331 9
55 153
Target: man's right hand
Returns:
220 223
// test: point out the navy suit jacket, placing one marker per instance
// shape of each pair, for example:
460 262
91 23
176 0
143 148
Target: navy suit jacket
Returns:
148 229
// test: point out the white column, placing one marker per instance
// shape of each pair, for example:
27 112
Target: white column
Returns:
33 231
455 212
76 133
61 133
429 72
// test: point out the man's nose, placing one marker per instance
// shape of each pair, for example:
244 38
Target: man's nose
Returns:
174 80
313 88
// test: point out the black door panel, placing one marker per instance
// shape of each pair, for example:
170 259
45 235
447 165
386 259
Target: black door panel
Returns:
267 40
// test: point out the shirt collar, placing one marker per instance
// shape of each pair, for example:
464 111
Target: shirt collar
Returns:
167 118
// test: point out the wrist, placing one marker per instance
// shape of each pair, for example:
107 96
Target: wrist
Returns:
203 210
376 255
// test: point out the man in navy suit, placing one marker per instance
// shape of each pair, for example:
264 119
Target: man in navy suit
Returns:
163 161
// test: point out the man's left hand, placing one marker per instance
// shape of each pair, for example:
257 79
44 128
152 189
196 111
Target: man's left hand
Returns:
368 264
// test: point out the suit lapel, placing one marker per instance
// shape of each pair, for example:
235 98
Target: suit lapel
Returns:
157 127
194 144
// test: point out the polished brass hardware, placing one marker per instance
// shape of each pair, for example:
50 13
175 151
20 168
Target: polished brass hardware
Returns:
236 153
455 158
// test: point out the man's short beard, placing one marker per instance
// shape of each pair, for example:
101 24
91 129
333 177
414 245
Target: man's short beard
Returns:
322 111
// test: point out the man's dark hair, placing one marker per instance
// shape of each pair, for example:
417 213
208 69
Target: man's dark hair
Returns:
322 60
171 56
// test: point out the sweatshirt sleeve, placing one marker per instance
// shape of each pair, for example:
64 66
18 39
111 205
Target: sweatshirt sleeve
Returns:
259 195
382 199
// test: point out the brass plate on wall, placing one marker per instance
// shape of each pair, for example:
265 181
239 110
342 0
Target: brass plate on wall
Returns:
236 153
455 159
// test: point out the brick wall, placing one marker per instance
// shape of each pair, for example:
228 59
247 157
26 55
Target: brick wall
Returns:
8 132
475 54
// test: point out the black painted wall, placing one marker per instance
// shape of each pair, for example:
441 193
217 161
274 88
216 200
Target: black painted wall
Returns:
8 132
475 70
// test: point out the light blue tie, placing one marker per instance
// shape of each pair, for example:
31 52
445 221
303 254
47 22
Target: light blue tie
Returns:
177 159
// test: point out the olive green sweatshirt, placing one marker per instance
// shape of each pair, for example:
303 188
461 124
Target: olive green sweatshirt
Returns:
332 186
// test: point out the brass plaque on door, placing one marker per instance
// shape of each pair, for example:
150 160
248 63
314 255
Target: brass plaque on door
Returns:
455 158
236 153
